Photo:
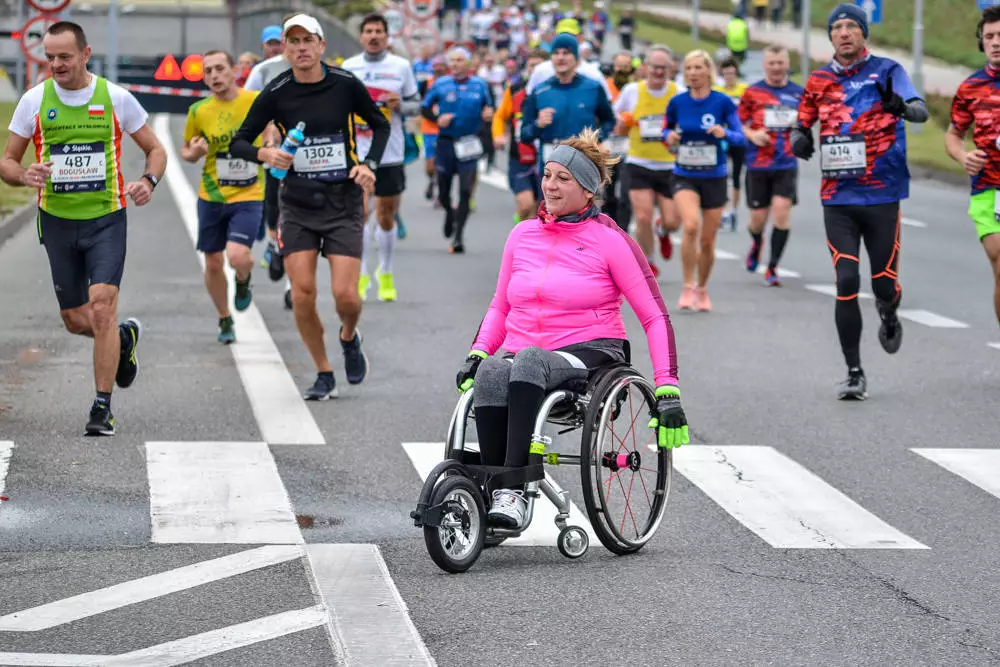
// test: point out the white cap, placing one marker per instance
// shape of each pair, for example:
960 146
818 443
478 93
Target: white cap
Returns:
599 4
308 23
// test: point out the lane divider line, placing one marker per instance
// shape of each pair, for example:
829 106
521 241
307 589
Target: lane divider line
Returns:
281 413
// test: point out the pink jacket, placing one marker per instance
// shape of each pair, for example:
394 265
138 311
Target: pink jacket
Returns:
562 283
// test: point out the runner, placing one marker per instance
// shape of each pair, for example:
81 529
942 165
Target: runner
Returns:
861 101
270 42
231 195
599 23
458 104
322 197
769 111
616 202
626 24
975 103
733 88
546 70
522 164
698 122
640 110
76 121
429 131
391 83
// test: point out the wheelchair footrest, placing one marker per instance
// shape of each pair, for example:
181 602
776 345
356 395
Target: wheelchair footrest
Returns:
502 477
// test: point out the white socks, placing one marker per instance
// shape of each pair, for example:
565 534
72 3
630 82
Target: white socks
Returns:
366 233
386 248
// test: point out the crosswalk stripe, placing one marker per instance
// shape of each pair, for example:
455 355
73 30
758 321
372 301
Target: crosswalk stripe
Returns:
218 493
278 407
353 582
910 222
831 290
6 450
785 504
132 592
995 346
979 466
188 649
783 273
541 533
930 319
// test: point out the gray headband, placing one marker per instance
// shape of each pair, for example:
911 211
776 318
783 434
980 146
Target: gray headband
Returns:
584 171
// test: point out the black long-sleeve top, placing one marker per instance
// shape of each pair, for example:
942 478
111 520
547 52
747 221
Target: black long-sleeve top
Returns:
326 107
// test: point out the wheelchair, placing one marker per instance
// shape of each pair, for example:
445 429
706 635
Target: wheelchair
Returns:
625 476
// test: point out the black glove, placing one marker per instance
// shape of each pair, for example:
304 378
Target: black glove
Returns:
468 371
802 143
891 101
670 422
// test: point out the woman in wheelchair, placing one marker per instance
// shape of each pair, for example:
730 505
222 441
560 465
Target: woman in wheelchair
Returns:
556 316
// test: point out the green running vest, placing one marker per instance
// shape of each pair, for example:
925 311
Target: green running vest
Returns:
737 36
84 145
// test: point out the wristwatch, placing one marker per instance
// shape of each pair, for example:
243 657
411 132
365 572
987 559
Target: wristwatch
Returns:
153 180
371 164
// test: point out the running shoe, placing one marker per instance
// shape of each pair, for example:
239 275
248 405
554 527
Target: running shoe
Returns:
457 249
355 361
275 265
364 283
129 333
655 270
101 421
324 388
244 295
701 301
508 510
429 192
771 278
687 300
666 243
226 334
400 227
753 257
855 387
288 299
386 286
449 224
890 333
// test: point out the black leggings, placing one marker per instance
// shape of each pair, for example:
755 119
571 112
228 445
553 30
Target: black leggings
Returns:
878 225
460 215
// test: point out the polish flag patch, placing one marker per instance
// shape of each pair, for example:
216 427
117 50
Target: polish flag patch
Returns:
95 110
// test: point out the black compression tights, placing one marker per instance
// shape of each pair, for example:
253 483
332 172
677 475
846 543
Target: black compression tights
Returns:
846 226
459 215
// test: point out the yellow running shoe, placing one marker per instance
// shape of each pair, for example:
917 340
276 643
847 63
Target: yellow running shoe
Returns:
386 286
364 282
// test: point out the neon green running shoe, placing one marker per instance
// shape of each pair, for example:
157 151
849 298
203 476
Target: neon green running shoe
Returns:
386 287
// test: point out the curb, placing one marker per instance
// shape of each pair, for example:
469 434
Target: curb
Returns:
19 218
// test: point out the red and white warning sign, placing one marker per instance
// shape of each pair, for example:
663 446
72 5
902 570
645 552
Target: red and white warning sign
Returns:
395 19
419 35
422 10
50 6
31 38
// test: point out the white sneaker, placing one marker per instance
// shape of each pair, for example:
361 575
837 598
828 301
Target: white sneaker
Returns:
508 508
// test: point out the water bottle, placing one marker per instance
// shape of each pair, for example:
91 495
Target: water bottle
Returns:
291 144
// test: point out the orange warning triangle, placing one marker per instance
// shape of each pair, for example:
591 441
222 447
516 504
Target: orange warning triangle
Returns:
168 70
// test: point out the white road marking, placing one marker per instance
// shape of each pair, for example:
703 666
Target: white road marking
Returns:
188 649
995 346
910 222
281 413
719 253
132 592
367 616
6 451
783 273
930 319
785 504
217 493
831 290
541 533
495 178
979 466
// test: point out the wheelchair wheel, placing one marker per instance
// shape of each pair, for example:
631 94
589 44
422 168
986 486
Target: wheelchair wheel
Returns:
573 541
625 475
455 545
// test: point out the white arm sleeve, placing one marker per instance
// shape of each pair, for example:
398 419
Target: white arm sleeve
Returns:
628 99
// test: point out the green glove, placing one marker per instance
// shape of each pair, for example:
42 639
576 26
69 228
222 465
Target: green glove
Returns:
669 422
467 373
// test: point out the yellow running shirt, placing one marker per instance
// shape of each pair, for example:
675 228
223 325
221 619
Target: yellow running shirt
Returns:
224 179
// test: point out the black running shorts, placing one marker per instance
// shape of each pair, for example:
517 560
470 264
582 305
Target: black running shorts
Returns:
390 181
83 253
324 217
763 186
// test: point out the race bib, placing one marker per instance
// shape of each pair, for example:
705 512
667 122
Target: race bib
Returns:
235 172
697 156
651 128
468 148
322 158
78 167
618 145
777 117
843 156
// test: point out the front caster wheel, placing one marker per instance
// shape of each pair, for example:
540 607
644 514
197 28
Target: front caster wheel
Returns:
573 541
455 545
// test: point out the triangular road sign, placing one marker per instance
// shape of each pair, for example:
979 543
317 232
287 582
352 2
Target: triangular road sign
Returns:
168 70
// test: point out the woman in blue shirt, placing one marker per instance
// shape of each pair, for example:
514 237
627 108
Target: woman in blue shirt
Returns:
700 126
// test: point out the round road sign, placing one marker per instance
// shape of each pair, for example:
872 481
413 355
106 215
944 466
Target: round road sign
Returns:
31 38
396 21
418 35
422 10
50 6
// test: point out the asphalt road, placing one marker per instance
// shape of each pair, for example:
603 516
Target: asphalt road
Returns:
759 371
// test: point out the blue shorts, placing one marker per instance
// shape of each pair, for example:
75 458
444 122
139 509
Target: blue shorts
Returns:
447 163
430 146
219 223
523 177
